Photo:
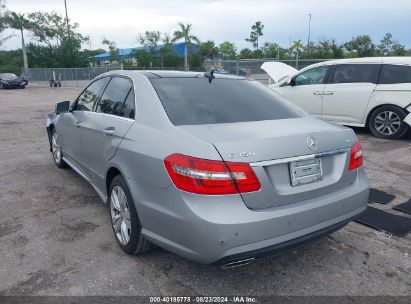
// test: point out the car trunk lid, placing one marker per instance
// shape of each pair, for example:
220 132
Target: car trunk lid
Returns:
270 146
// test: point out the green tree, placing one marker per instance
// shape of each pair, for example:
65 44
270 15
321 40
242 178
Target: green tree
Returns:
184 32
258 54
169 57
246 54
51 29
296 48
20 22
208 49
10 61
386 44
167 40
272 50
256 32
42 56
361 45
150 39
196 62
85 54
398 49
227 50
144 59
3 23
324 48
112 48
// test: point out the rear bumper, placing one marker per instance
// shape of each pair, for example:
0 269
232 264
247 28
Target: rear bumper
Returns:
277 248
217 229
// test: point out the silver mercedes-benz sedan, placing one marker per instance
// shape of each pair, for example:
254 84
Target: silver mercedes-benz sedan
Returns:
216 168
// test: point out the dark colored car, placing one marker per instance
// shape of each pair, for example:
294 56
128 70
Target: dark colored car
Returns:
10 80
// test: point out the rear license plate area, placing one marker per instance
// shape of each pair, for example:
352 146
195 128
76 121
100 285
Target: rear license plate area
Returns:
305 171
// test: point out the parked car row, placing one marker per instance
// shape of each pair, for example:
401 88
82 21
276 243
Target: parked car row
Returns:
216 168
361 92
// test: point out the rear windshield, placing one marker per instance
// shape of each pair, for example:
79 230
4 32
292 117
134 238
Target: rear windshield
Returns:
196 101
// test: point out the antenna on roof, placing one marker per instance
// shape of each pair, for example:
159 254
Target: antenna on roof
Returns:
209 75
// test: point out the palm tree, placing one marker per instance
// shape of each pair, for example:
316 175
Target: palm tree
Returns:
184 33
19 22
297 46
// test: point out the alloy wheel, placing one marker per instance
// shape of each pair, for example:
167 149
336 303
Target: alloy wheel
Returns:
387 123
55 147
120 215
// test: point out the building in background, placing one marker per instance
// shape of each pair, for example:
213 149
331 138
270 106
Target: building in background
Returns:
128 54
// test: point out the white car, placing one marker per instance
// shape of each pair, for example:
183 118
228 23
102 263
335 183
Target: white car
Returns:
361 92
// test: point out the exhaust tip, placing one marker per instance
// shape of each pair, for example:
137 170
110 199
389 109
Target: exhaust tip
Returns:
238 263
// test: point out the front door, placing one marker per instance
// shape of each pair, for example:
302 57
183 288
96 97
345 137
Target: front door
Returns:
69 127
69 135
306 89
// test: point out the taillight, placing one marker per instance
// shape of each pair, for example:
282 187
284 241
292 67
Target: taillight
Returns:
356 157
204 176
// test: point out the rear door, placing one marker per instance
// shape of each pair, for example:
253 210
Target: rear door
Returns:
346 95
106 125
306 89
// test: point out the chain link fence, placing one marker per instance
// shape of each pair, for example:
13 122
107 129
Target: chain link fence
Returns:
242 67
67 74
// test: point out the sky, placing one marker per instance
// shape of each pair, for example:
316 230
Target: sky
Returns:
229 20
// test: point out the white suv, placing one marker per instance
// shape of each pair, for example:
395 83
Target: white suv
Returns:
360 92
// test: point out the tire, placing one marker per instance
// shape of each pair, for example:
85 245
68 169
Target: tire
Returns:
1 86
56 150
388 122
124 219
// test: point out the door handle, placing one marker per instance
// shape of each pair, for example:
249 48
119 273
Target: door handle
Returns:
109 131
78 124
328 93
317 93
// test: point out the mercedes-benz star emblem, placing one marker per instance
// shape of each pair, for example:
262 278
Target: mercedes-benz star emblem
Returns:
312 143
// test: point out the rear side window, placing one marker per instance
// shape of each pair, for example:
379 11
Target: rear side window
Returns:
353 73
114 95
90 95
128 107
196 101
391 73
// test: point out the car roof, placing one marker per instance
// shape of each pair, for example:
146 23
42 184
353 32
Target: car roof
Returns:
168 74
395 60
377 60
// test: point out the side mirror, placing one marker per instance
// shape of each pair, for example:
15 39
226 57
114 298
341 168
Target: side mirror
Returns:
62 107
292 82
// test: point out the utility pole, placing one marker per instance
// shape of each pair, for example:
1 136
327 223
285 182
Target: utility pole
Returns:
68 31
309 29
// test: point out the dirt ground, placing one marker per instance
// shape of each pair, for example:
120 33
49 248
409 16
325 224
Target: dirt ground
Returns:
56 239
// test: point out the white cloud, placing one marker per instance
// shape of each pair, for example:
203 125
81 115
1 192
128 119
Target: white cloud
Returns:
231 20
